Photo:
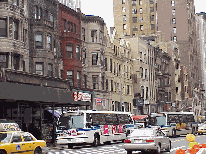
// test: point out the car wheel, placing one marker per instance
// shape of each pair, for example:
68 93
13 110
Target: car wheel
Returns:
96 141
37 151
129 152
70 146
169 147
158 149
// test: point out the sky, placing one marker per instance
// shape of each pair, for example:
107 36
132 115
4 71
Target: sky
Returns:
104 9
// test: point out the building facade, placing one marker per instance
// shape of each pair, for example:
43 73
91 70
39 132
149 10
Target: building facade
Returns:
118 72
43 33
14 42
135 17
69 30
94 40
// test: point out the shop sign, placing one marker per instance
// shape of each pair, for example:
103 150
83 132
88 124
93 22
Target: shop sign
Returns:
10 127
86 97
79 95
99 101
75 97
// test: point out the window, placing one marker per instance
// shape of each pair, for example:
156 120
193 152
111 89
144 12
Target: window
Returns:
54 47
134 19
36 11
111 65
84 56
16 2
146 74
70 77
151 1
49 42
27 137
51 18
38 41
39 69
141 27
3 0
146 92
134 11
141 19
174 30
112 86
94 58
107 86
177 66
15 30
3 28
173 3
173 21
173 11
123 1
174 38
123 9
141 72
74 29
3 61
152 17
140 2
124 26
83 34
124 17
103 80
95 81
176 90
127 89
64 24
85 80
93 36
50 69
152 27
133 2
78 52
105 64
142 91
78 79
151 9
140 10
135 28
69 51
39 13
16 137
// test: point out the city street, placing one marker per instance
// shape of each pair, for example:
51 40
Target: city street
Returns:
113 148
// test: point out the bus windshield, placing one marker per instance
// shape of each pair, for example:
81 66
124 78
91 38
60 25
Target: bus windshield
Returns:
72 122
161 120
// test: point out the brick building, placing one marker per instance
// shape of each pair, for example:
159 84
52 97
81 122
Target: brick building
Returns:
69 30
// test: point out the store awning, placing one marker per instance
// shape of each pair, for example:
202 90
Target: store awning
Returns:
139 117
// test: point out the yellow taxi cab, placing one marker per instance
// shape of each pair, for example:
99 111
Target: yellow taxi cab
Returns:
13 140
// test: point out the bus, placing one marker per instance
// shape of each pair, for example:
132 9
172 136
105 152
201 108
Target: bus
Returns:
174 123
94 127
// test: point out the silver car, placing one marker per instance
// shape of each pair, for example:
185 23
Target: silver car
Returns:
147 139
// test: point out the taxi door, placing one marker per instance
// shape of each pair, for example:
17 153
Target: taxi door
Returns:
28 142
16 145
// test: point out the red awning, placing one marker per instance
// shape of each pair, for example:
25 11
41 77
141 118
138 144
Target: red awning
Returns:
139 117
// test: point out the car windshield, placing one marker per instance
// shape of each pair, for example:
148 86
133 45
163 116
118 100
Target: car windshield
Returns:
5 137
142 132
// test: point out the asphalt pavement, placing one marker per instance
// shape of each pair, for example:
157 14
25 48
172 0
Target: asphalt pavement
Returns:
117 148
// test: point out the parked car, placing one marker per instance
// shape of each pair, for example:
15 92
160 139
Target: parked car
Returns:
201 128
147 139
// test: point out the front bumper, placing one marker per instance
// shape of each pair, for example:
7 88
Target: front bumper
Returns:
75 140
140 146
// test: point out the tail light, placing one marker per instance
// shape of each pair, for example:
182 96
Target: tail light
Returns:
149 140
127 141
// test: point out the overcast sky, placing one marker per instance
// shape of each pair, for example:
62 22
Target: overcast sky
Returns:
104 9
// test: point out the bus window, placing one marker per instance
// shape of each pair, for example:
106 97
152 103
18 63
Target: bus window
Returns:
161 120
